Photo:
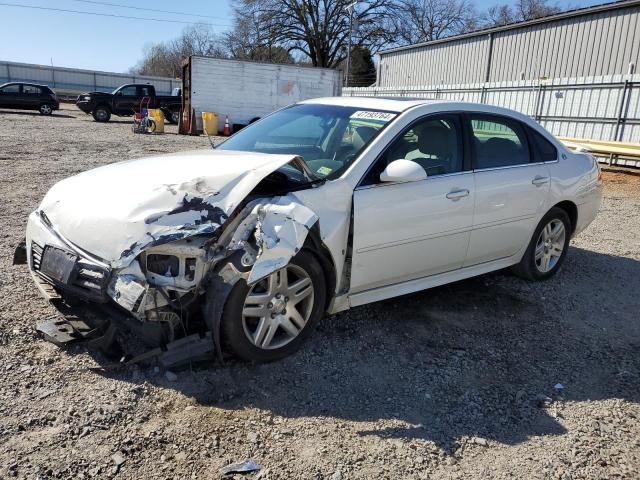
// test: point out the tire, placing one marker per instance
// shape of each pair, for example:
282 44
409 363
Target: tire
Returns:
283 315
45 109
254 119
543 259
101 114
173 117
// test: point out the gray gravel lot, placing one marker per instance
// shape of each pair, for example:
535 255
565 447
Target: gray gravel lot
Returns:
455 382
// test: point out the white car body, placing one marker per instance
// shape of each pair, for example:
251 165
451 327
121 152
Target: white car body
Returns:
384 240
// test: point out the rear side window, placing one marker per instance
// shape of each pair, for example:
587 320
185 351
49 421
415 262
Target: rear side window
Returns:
145 91
30 90
498 142
541 148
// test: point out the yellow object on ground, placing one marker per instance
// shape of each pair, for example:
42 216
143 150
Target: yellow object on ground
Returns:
600 147
210 123
157 116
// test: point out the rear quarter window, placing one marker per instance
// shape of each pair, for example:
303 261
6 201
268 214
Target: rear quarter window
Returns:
542 150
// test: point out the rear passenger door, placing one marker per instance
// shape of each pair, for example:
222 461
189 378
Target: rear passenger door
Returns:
30 97
511 186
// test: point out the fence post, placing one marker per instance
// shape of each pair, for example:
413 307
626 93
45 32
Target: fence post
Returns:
483 95
540 103
621 112
8 73
95 82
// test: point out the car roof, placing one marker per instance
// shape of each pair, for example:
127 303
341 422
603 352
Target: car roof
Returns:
400 104
25 83
391 104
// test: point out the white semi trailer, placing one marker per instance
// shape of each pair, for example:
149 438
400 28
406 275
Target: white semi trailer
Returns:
244 91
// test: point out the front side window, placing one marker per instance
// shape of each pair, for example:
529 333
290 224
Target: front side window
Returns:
328 137
129 91
30 90
10 89
434 143
498 142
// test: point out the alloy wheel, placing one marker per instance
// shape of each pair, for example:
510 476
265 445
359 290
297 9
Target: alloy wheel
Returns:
277 308
549 246
45 109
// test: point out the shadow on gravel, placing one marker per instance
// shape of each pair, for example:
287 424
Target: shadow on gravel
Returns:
476 358
33 114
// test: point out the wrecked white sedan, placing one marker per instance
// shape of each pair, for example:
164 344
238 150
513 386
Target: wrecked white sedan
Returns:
319 207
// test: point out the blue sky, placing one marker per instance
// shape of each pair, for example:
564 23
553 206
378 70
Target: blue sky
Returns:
32 35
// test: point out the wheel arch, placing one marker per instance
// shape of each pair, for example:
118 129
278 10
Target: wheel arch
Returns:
572 211
316 246
102 104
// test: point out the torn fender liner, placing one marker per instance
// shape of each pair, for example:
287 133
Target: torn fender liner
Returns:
281 225
118 210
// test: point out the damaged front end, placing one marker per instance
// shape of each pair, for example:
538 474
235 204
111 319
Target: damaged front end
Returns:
177 257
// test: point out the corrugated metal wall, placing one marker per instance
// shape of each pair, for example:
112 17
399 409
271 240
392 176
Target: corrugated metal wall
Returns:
598 108
603 42
76 80
463 60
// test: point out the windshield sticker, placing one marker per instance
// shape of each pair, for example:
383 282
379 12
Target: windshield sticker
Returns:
368 115
324 170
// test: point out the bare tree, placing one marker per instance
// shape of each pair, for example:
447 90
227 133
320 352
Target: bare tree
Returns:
522 10
252 39
165 58
499 15
426 20
318 30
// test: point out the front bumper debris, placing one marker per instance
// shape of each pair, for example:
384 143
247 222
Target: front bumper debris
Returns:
20 254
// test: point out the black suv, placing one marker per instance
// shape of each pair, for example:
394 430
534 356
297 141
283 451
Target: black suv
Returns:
28 96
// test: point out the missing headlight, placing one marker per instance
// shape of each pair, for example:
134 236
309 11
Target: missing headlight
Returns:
165 265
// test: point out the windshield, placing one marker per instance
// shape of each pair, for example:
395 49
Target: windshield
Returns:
327 137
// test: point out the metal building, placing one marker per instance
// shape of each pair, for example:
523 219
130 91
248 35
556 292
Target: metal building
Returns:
595 41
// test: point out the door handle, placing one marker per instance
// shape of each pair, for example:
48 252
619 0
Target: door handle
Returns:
457 194
538 181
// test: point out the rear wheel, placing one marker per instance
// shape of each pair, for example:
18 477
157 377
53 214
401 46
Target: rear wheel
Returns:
101 114
45 109
548 247
272 318
174 117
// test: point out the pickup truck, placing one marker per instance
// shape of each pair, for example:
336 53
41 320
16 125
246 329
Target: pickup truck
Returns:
125 100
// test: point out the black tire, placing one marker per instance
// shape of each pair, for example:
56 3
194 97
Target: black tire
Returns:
529 268
173 117
45 109
254 119
233 329
101 114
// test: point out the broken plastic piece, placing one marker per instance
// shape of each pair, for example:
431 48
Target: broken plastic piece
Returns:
241 467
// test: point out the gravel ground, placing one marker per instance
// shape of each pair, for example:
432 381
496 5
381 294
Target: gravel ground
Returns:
455 382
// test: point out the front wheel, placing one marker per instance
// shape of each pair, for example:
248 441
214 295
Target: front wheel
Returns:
548 247
45 109
101 114
272 318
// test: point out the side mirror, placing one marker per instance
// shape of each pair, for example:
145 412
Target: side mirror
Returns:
403 171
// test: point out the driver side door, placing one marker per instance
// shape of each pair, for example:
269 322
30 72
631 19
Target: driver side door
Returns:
126 100
408 230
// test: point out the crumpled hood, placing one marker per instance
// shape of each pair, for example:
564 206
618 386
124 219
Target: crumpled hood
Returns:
116 211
